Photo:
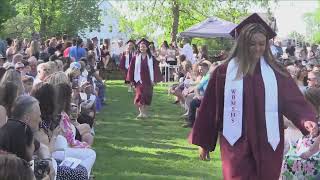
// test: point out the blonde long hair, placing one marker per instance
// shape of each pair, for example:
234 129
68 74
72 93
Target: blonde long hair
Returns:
34 48
13 76
241 51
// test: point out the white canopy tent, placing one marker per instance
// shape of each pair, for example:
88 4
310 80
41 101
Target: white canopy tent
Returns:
212 27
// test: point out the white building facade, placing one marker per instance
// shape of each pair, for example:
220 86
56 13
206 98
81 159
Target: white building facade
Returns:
110 25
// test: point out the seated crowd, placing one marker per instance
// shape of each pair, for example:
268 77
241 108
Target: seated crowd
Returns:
48 103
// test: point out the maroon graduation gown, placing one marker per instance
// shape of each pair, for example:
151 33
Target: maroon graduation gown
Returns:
144 90
251 157
122 64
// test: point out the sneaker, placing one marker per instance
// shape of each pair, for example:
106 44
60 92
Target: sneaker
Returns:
139 116
142 116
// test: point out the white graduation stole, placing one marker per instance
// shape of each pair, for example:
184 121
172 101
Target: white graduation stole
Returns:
233 104
137 70
127 61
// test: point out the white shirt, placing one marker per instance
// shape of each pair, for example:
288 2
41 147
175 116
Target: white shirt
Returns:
188 52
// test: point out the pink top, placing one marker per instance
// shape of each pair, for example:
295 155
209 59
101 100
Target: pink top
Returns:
66 52
66 127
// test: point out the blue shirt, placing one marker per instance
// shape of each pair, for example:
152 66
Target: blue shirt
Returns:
77 53
202 86
3 48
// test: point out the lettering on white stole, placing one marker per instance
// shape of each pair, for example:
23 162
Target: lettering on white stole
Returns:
233 105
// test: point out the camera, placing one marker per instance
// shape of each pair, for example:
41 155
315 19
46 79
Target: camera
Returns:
41 168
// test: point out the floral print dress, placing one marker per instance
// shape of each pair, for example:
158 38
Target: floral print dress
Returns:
296 168
69 132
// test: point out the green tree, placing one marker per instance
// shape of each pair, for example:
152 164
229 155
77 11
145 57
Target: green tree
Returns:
19 26
299 38
312 20
7 11
56 17
174 16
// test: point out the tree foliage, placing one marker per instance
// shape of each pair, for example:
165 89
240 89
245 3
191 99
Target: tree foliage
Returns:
19 26
7 11
297 36
173 16
56 17
312 20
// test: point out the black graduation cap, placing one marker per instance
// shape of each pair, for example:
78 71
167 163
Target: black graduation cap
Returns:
130 40
144 41
253 18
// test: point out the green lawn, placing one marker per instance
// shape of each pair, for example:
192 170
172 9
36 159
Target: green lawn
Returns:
151 149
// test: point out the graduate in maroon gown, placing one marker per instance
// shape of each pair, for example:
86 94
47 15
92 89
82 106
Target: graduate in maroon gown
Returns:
243 105
125 61
143 73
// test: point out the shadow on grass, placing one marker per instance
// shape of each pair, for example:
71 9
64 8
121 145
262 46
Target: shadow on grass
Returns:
154 148
148 163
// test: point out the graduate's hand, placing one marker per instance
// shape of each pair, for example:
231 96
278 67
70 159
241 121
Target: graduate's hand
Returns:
311 127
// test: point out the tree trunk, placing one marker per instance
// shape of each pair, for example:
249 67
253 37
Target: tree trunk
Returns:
43 19
175 24
31 6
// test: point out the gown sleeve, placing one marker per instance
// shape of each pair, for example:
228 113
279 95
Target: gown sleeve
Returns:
157 74
130 74
205 129
295 106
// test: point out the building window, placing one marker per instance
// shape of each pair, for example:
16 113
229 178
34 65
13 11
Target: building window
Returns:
101 41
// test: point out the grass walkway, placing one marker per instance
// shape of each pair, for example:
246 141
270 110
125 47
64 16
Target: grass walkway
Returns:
151 149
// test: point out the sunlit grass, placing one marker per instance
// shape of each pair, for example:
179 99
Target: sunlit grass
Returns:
152 149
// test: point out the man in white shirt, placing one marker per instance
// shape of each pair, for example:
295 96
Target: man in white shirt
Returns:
187 50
